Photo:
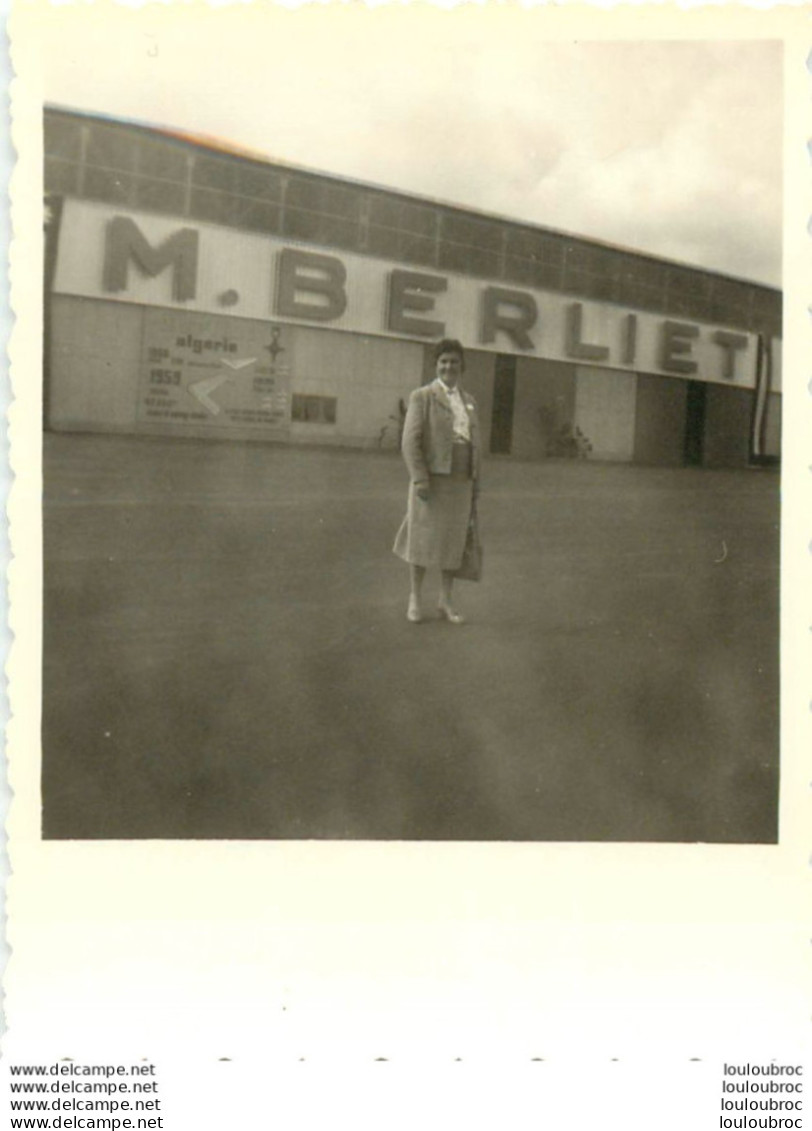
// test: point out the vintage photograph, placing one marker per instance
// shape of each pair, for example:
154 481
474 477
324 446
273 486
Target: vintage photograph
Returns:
411 434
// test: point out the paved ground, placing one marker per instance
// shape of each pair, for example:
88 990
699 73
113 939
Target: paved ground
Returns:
226 652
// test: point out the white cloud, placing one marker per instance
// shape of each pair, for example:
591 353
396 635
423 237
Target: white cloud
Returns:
671 147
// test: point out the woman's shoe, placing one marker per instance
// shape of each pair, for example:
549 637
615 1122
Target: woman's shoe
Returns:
413 613
447 613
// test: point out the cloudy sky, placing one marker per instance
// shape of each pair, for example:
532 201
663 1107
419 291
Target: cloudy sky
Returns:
672 147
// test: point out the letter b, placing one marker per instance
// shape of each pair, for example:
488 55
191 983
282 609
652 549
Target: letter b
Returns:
322 276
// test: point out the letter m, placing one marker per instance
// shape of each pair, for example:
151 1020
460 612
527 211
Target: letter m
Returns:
126 241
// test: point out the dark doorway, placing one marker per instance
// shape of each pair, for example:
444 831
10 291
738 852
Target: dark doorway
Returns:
504 395
695 423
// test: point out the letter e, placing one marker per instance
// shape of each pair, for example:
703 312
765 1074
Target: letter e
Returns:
676 341
412 291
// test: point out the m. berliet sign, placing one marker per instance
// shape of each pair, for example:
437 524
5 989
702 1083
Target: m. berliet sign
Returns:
157 261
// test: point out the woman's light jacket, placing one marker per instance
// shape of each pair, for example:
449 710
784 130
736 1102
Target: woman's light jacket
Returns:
428 433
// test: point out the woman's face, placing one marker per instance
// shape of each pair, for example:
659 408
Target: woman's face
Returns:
449 368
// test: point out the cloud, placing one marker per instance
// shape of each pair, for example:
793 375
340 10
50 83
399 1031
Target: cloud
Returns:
637 144
672 172
670 147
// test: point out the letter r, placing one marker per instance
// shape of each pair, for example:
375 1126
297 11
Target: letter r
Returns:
515 323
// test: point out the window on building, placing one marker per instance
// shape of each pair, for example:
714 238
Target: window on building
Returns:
166 161
111 147
308 409
62 137
61 176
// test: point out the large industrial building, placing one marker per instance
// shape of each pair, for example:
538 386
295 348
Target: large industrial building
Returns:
196 292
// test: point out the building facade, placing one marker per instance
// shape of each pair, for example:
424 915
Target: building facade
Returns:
193 292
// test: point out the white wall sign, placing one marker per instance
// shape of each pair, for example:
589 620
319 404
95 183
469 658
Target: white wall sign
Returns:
159 261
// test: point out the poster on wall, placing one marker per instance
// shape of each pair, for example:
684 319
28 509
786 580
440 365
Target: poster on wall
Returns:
214 371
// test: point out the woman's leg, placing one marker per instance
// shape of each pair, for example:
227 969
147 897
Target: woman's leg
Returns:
416 575
446 586
446 589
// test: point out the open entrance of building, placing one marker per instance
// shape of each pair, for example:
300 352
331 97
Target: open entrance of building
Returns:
504 397
695 410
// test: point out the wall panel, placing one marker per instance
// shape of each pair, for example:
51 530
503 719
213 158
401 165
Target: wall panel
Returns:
95 356
545 405
367 375
605 411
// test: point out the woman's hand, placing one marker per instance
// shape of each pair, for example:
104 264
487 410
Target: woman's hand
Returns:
421 489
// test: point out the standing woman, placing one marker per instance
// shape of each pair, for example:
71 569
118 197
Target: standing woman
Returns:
441 447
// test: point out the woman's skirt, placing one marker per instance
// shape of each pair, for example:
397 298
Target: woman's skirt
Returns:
433 532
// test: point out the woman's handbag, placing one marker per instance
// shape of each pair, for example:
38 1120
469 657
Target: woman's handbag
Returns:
471 565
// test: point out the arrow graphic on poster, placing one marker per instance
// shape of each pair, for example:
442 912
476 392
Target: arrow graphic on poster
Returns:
238 363
202 389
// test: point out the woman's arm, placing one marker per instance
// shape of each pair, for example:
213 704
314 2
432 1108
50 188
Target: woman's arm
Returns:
412 444
476 441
